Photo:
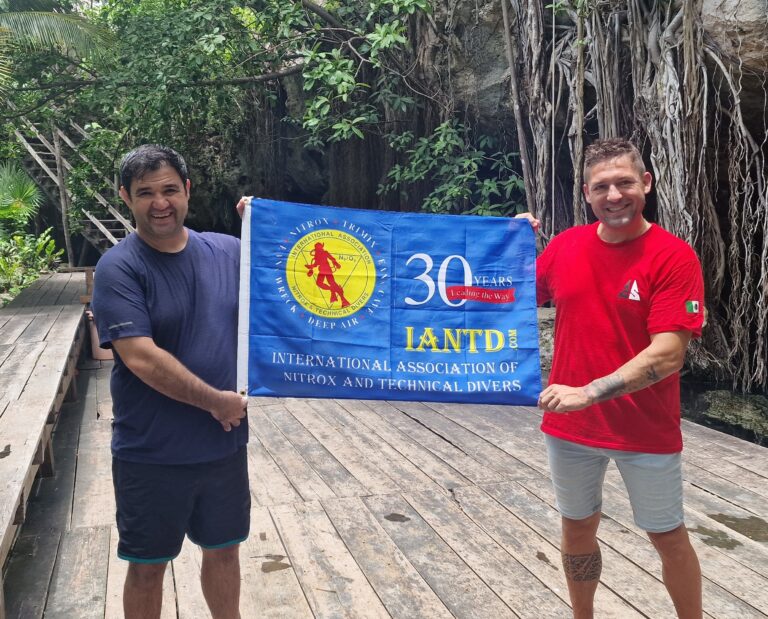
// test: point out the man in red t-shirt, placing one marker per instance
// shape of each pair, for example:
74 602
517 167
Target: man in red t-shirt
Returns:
629 297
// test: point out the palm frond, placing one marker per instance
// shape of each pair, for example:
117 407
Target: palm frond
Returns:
20 198
64 32
5 59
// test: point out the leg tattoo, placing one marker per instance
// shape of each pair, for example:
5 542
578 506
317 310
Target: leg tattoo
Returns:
580 568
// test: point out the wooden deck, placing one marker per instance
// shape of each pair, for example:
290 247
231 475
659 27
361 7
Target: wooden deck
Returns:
41 334
376 509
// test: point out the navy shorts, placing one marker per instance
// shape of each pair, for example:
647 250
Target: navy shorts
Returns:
158 504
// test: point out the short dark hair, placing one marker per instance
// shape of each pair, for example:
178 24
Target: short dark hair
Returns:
148 158
611 148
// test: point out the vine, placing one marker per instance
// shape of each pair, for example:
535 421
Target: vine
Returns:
682 104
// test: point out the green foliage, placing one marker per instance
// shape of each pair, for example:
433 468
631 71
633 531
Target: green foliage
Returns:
20 198
93 174
465 176
164 81
349 82
23 257
10 149
188 73
28 29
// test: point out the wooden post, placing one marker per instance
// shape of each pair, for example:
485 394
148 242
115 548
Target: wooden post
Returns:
63 197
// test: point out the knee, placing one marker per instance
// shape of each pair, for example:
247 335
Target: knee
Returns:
222 556
580 531
672 544
146 576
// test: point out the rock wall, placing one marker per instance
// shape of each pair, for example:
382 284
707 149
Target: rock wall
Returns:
472 65
740 29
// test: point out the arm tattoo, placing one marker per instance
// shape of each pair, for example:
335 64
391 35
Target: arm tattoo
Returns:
580 568
651 375
606 387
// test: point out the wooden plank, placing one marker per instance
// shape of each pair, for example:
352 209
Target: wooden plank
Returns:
67 324
116 573
634 585
314 453
15 326
52 372
525 594
436 443
74 286
726 513
190 602
444 474
724 488
537 553
739 477
50 505
35 156
47 308
391 462
360 465
270 588
53 289
29 574
691 430
331 580
25 424
100 226
530 549
303 478
707 534
398 585
17 369
23 300
459 588
512 429
17 471
484 452
103 393
24 310
5 351
79 583
753 463
40 325
269 485
720 599
94 500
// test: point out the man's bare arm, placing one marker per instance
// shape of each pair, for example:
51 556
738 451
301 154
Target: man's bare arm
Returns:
163 372
663 356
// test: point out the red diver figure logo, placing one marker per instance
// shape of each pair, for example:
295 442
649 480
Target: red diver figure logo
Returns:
326 264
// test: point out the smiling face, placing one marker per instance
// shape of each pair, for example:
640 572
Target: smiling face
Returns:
159 201
616 189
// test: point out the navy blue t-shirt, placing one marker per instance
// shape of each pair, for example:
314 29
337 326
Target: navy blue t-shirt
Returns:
187 302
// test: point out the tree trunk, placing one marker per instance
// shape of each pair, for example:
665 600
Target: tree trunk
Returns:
63 197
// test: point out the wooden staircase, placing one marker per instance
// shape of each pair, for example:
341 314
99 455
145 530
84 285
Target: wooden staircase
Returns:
103 225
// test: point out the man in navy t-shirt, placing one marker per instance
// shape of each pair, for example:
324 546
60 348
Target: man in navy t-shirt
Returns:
166 300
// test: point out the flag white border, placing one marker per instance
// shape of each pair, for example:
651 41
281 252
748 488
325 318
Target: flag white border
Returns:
243 323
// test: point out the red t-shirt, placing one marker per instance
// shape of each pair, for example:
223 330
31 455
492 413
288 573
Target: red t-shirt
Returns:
610 298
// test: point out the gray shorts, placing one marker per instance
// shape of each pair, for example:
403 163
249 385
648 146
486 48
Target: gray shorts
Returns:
654 483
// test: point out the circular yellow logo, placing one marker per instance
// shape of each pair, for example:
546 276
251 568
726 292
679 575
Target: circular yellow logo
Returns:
330 273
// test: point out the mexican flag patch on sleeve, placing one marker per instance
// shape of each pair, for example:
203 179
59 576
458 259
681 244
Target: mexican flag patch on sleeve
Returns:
692 307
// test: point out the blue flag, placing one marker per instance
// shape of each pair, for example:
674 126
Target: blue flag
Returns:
348 303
